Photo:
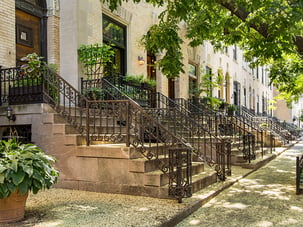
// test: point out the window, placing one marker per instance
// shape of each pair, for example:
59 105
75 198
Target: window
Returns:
151 67
208 70
193 88
226 50
207 81
115 33
235 52
192 70
244 94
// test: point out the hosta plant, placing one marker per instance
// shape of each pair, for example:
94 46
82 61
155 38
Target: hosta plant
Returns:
24 167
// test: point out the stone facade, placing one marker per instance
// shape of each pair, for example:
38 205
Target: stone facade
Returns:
7 34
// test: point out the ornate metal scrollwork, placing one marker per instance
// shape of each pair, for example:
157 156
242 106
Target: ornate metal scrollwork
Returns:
248 147
180 181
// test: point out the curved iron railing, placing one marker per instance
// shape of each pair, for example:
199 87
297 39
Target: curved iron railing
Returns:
214 151
113 120
243 134
277 129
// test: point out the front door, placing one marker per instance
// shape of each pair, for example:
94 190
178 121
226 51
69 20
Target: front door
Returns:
171 88
27 35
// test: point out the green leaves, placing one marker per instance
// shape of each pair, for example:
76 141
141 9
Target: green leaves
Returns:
33 66
24 167
18 177
164 38
267 30
95 57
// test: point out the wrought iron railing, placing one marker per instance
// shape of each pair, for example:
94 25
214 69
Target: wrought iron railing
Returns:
212 150
112 120
243 135
299 174
207 146
279 130
140 93
18 88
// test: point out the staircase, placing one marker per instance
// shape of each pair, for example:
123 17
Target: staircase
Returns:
277 133
246 140
206 146
111 145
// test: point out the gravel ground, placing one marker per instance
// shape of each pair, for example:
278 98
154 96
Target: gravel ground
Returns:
60 207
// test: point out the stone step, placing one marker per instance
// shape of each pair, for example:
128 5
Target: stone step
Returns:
238 160
110 150
203 180
157 178
143 165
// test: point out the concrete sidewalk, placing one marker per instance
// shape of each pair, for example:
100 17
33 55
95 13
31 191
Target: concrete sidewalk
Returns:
266 197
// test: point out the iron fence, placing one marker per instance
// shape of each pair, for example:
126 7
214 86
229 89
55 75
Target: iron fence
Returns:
299 175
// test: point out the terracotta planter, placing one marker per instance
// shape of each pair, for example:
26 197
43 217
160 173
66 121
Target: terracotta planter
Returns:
12 208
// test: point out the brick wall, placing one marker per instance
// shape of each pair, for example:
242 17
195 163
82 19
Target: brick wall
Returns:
7 33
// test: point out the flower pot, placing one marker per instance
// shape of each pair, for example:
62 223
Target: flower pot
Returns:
25 94
12 208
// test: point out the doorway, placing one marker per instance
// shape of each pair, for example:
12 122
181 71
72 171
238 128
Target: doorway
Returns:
171 88
30 29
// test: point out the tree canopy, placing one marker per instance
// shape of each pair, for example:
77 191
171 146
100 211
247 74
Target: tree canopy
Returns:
268 31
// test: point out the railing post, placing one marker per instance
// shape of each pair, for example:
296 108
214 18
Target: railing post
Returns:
128 122
297 176
87 123
1 85
180 182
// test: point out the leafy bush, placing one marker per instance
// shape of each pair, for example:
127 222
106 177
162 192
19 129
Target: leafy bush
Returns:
94 93
24 167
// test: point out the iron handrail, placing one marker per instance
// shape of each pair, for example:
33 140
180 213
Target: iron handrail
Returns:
171 109
276 127
98 118
229 126
199 136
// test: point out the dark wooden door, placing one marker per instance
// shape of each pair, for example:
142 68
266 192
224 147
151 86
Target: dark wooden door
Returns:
151 67
171 88
27 35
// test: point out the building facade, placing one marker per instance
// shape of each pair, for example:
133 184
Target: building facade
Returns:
55 30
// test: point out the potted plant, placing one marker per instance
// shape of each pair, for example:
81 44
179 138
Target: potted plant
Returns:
23 168
26 87
95 59
33 65
94 93
231 109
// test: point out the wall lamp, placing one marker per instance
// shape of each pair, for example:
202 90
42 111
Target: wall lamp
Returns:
141 60
10 114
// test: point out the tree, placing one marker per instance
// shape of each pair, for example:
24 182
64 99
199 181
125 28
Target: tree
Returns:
269 31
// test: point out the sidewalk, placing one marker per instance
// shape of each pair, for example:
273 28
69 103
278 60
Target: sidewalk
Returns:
68 208
266 197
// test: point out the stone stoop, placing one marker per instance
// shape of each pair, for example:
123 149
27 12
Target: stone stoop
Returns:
237 154
109 168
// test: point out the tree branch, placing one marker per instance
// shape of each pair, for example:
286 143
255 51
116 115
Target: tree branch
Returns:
242 14
262 29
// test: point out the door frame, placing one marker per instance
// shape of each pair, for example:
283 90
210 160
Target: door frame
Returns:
39 10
